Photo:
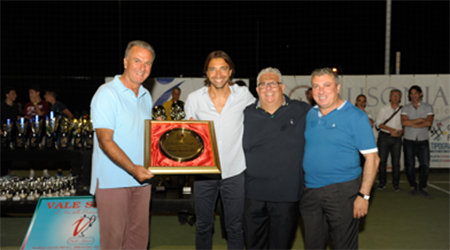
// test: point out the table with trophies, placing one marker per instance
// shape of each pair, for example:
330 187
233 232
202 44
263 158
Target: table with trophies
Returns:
67 142
61 139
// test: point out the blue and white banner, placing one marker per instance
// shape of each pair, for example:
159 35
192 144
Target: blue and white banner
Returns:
64 223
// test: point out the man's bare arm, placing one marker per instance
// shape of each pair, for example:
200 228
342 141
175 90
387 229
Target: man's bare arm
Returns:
361 206
116 154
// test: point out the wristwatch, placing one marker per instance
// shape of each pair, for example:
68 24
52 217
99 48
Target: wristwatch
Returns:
364 196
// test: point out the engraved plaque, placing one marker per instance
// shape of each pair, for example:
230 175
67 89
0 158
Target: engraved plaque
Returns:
181 144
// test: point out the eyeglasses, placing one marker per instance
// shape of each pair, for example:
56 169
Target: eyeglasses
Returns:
265 84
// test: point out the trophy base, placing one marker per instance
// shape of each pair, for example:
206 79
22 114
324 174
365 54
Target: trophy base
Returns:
160 188
187 190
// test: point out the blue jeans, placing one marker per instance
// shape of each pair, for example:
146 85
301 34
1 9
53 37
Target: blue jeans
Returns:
422 148
232 194
389 144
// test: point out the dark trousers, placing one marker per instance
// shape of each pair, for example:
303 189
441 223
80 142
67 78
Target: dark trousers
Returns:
393 145
328 211
232 196
124 217
423 151
270 225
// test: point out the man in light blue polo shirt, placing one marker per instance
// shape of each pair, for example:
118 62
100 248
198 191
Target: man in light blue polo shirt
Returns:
335 197
118 111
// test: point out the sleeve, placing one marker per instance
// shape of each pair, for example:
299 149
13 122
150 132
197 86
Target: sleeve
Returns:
250 99
430 110
103 109
380 117
189 107
63 107
364 138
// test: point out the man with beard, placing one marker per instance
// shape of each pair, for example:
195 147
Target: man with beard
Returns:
223 102
417 117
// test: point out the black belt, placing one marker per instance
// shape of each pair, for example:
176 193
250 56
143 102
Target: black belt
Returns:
381 132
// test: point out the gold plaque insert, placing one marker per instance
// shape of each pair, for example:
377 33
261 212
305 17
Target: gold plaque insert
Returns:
181 144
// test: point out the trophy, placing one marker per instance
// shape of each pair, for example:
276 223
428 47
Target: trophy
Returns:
7 134
159 111
36 127
177 111
160 186
65 129
51 124
22 125
89 133
77 137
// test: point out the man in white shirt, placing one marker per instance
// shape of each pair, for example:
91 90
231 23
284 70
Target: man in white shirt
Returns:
390 138
223 102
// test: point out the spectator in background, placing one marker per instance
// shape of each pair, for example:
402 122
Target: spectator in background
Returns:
36 106
390 139
176 92
417 117
360 103
309 97
10 109
58 107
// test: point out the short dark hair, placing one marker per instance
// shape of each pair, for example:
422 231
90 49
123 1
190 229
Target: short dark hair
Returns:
35 87
52 93
9 89
359 97
176 88
417 88
224 56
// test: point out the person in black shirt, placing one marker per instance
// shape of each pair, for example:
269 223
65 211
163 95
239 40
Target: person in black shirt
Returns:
10 109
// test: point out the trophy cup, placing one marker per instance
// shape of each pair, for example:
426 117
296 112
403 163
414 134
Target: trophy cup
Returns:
7 134
22 125
77 133
159 111
51 124
65 129
36 127
89 133
177 111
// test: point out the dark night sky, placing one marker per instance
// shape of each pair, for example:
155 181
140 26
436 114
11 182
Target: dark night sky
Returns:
45 42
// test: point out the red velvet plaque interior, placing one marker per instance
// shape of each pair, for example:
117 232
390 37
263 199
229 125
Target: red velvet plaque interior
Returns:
158 159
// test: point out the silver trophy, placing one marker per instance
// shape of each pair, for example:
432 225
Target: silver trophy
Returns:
22 125
51 125
36 129
7 134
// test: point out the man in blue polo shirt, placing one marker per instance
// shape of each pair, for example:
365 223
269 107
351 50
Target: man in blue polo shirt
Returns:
118 111
336 194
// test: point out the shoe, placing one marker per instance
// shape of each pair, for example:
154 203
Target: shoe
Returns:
425 193
397 189
412 192
381 187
